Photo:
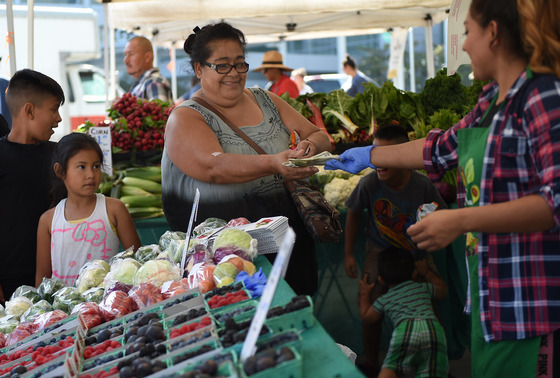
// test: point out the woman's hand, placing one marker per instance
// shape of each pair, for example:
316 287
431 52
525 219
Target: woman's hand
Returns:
436 230
307 147
291 173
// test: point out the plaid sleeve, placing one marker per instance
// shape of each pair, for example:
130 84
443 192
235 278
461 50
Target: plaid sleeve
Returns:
159 90
542 120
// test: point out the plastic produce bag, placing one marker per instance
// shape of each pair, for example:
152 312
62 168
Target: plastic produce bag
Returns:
147 252
198 254
168 236
117 286
37 309
48 287
175 250
233 240
157 272
22 331
145 294
66 298
126 254
174 287
209 225
95 294
91 313
28 292
2 340
225 273
18 306
202 276
122 270
116 304
237 222
44 320
92 274
8 323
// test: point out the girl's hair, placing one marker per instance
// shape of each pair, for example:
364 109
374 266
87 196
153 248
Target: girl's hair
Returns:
65 149
528 29
197 45
349 62
391 132
541 34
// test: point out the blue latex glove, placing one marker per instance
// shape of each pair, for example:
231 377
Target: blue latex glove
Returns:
353 160
254 284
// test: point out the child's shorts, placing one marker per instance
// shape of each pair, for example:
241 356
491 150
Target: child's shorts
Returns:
418 345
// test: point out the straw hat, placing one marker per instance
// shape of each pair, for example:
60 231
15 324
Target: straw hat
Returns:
272 59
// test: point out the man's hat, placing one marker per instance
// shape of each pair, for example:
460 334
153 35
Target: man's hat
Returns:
272 59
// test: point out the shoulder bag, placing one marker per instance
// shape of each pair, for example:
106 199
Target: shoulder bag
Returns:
320 218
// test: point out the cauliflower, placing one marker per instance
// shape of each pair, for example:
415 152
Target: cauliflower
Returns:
339 189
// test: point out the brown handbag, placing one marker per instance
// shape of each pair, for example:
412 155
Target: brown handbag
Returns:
321 219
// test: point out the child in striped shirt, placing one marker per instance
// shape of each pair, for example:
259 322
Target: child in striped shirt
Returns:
418 341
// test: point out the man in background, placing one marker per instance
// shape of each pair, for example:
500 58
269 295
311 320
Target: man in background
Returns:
150 84
273 69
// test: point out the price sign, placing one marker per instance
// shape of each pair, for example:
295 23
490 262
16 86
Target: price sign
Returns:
278 270
103 136
194 211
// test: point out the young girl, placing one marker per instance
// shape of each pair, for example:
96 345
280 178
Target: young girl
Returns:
86 225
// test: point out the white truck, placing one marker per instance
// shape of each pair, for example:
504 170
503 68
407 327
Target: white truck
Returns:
63 39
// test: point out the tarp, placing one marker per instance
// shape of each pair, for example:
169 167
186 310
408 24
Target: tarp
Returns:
166 21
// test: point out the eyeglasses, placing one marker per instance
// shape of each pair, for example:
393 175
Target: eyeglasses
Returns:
226 68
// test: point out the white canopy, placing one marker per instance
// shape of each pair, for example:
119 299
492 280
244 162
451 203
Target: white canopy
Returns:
167 21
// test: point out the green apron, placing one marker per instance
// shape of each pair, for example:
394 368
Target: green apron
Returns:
498 358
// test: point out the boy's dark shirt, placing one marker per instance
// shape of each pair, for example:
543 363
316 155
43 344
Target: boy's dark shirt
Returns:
24 188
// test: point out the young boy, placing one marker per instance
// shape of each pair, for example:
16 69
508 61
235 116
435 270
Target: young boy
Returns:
392 197
25 168
418 341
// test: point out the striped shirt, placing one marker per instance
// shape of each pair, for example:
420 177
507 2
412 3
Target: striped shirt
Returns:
152 85
407 300
519 273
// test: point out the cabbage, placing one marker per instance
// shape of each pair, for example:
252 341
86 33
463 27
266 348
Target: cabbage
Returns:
37 309
92 275
175 250
8 323
122 270
28 292
116 286
147 252
129 253
197 254
222 252
48 287
234 237
66 298
18 306
168 236
95 294
208 225
157 272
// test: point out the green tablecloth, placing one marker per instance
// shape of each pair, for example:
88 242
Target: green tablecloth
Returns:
321 356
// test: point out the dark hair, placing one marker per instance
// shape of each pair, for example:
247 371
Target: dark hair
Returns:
349 62
31 86
505 13
65 149
392 132
396 265
197 45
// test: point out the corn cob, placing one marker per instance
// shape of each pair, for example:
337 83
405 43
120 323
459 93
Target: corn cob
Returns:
104 187
145 212
129 190
142 201
152 173
150 186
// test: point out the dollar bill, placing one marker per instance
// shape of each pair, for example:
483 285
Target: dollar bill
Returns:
319 159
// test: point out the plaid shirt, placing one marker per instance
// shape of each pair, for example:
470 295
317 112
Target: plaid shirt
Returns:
152 85
519 273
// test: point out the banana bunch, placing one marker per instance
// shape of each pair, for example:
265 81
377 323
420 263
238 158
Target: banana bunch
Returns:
139 188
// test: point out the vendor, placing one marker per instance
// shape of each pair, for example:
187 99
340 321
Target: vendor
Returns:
202 152
273 69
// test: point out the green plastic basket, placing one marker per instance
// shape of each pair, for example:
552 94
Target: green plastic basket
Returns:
287 369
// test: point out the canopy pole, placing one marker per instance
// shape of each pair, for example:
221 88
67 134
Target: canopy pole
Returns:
341 51
106 52
412 68
11 36
30 33
173 56
429 46
112 62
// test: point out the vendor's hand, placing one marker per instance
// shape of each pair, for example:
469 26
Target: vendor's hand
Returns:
293 173
365 288
436 230
350 266
353 160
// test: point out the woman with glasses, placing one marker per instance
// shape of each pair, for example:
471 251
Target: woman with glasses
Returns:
202 152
